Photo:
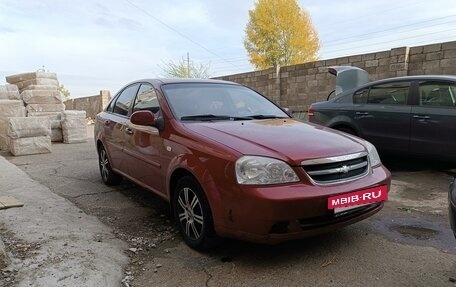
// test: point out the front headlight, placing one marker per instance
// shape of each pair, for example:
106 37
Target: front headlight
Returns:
263 170
373 154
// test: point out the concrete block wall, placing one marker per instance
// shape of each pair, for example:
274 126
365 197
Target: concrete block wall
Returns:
92 105
298 86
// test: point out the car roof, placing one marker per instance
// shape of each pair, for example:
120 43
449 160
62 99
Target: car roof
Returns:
164 81
414 78
399 79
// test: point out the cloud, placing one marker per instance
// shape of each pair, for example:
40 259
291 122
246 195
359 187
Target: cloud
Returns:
103 22
129 24
4 29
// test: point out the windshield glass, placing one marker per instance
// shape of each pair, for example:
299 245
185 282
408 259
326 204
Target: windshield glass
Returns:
214 101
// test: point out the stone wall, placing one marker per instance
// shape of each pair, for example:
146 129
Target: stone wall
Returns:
296 87
91 105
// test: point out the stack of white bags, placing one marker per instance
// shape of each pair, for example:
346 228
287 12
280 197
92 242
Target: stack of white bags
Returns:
32 115
41 95
10 106
29 135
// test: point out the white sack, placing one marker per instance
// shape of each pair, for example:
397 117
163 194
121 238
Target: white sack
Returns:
3 137
9 92
45 108
8 88
26 127
30 76
73 114
4 142
43 87
12 108
74 130
50 115
25 84
41 97
3 125
34 145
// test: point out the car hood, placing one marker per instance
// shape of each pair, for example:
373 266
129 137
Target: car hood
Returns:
287 139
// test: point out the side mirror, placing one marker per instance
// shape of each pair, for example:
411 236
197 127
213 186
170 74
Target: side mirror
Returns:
143 118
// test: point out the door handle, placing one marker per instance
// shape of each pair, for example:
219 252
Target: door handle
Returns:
421 117
128 131
361 113
107 122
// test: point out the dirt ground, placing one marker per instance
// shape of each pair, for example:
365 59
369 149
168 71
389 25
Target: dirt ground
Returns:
408 243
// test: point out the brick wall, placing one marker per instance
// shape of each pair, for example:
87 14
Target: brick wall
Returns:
300 85
92 105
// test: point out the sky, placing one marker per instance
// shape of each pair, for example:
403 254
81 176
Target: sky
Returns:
103 45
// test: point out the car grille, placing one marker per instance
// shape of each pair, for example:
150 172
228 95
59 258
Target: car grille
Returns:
337 169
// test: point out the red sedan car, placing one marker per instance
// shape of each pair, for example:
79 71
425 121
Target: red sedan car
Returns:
233 164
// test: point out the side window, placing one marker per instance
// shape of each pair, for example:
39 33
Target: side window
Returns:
389 94
146 99
360 97
110 107
123 102
437 94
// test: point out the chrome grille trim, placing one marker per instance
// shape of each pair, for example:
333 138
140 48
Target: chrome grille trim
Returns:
338 169
333 159
344 169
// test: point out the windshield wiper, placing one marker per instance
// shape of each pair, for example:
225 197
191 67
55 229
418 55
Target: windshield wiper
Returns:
261 117
211 117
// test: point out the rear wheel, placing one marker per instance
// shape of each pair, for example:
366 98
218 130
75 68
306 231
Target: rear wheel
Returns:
108 176
193 215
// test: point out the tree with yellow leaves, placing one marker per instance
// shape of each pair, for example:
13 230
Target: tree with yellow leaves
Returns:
280 33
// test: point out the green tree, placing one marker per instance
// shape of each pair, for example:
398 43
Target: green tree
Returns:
65 93
280 33
186 68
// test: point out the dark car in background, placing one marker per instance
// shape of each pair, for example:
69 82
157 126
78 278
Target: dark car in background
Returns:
231 163
408 115
452 206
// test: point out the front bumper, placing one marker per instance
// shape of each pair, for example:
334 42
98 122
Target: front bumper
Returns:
452 206
280 213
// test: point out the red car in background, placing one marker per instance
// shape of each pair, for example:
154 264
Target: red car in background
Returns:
233 164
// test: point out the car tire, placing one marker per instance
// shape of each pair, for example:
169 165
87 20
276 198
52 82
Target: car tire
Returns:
108 176
193 215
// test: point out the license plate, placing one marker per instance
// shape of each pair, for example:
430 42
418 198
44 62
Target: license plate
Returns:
358 198
346 208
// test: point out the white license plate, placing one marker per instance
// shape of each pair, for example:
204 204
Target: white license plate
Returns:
342 209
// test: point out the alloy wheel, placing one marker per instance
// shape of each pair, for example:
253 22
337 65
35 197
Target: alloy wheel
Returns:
190 213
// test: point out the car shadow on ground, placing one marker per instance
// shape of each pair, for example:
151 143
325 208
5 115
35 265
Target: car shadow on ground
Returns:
399 163
285 252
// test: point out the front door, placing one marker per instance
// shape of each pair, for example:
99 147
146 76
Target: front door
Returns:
143 144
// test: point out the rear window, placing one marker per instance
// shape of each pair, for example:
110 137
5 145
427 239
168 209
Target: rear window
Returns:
360 97
389 94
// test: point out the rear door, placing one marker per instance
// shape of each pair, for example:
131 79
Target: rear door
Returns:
143 144
434 119
114 121
384 119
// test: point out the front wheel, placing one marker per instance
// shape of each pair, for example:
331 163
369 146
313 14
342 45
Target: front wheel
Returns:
193 215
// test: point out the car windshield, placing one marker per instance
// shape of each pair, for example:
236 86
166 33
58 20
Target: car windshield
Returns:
215 101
